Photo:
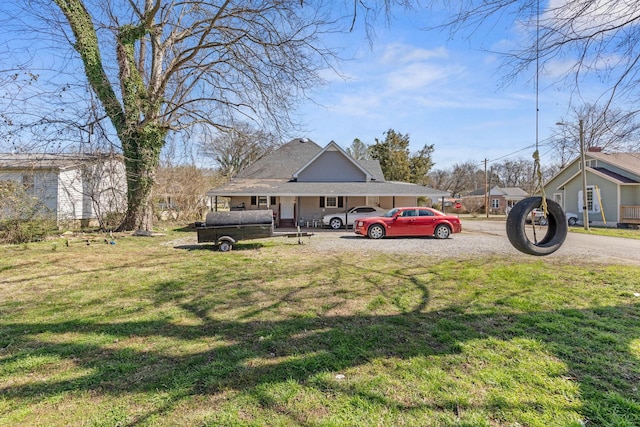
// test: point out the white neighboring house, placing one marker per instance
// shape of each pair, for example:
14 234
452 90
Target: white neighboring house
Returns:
78 189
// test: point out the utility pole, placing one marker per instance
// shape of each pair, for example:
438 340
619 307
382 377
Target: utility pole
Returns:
585 199
486 189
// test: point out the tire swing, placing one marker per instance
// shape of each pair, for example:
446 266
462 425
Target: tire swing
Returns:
556 229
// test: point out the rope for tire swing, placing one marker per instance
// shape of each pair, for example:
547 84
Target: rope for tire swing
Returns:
537 172
551 210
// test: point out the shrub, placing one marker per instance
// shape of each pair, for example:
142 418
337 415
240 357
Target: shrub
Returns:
23 218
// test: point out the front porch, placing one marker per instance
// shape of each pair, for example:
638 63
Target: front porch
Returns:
630 214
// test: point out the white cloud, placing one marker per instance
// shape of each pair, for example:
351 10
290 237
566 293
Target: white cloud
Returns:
398 53
416 76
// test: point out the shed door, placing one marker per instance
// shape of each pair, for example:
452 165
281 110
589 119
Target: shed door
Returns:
286 207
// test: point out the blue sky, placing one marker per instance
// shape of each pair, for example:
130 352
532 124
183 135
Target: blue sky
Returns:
440 91
443 92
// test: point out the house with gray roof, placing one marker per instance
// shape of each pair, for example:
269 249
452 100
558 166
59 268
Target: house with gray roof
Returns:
613 188
501 199
301 182
75 189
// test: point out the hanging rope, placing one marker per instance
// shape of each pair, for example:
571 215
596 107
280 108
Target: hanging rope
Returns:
552 211
537 169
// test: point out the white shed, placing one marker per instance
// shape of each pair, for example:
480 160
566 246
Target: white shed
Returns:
78 189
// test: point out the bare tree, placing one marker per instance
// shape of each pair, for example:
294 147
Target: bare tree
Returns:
609 129
180 191
461 178
238 147
590 38
156 67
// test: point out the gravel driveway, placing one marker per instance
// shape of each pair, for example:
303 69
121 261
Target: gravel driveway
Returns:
480 238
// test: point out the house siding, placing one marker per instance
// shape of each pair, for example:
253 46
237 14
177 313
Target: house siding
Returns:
45 185
70 195
612 193
332 166
46 189
106 187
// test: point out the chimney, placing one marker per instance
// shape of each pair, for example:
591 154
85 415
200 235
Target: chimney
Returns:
594 149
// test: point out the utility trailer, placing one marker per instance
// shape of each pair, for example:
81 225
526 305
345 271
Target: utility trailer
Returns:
227 228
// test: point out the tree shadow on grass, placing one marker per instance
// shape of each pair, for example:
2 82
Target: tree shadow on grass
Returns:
245 355
210 247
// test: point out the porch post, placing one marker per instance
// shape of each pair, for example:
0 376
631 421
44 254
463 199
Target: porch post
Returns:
346 213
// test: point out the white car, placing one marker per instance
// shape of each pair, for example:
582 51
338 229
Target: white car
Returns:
538 215
572 219
336 220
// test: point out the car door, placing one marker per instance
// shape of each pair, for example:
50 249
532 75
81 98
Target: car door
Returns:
425 222
405 223
361 212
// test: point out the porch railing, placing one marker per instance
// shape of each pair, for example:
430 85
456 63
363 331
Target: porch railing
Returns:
630 214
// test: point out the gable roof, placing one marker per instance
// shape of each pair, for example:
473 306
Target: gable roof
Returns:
283 162
615 176
273 175
332 146
506 192
629 162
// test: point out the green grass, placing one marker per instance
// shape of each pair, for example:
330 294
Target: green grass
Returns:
148 333
607 231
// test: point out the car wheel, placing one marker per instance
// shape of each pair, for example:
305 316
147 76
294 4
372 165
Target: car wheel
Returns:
556 231
442 232
543 221
572 221
376 231
335 223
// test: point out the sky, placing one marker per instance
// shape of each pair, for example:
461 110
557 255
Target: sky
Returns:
449 93
440 90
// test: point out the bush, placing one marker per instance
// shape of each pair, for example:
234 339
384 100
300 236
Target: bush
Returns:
15 231
23 218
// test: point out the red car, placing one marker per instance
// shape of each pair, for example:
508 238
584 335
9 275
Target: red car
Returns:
409 222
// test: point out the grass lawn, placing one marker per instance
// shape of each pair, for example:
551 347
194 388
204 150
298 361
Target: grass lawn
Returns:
144 333
608 231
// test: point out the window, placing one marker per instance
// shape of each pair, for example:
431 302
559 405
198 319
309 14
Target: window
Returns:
593 204
495 203
254 200
332 202
273 200
557 197
425 212
262 201
411 212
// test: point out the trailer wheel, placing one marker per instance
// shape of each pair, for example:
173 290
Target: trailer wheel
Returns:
224 246
553 238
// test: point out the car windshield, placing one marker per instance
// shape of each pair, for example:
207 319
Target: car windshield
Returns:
391 213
